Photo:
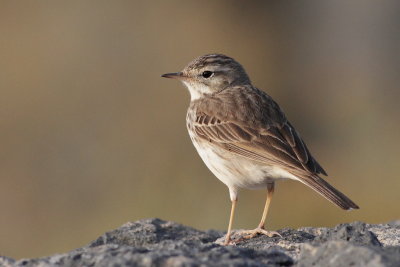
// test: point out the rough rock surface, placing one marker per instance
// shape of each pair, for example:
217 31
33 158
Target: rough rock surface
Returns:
154 242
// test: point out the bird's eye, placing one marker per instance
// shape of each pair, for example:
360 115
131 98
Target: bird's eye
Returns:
207 74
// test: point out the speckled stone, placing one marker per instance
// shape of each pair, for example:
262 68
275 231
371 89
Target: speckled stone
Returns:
154 242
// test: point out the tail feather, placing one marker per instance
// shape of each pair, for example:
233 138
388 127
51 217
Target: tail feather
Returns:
329 192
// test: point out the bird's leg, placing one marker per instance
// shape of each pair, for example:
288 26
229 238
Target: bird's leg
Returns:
261 228
270 192
228 234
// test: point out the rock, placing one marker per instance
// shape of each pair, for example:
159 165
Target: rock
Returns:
289 242
5 261
154 242
356 233
151 232
341 253
387 234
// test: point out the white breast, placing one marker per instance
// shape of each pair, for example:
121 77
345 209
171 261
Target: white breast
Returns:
236 171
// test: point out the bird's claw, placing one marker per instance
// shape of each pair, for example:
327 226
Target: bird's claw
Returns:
249 234
241 235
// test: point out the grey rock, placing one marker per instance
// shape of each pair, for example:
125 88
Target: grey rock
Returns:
341 253
151 232
356 233
154 242
387 234
289 242
5 261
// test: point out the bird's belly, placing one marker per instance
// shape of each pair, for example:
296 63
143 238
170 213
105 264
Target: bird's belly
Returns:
236 171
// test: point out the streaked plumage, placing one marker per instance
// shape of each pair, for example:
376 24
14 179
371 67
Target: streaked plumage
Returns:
241 133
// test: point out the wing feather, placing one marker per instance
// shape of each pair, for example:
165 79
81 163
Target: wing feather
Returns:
276 145
261 133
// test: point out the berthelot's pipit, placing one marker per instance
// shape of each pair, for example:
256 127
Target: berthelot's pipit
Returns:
244 137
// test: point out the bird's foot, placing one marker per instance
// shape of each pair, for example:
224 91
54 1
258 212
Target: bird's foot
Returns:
230 242
224 242
249 234
241 235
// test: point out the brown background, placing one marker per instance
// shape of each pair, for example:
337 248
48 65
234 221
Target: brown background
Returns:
91 137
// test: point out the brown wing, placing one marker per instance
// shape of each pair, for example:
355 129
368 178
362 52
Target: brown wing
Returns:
263 134
274 145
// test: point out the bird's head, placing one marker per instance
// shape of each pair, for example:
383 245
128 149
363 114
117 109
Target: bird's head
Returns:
209 74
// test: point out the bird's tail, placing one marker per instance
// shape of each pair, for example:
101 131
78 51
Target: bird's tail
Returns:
329 192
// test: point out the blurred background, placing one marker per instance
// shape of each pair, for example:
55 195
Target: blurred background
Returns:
91 137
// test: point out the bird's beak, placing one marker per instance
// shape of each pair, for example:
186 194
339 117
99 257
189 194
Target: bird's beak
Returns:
174 75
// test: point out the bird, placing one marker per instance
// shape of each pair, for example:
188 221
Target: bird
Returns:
244 137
